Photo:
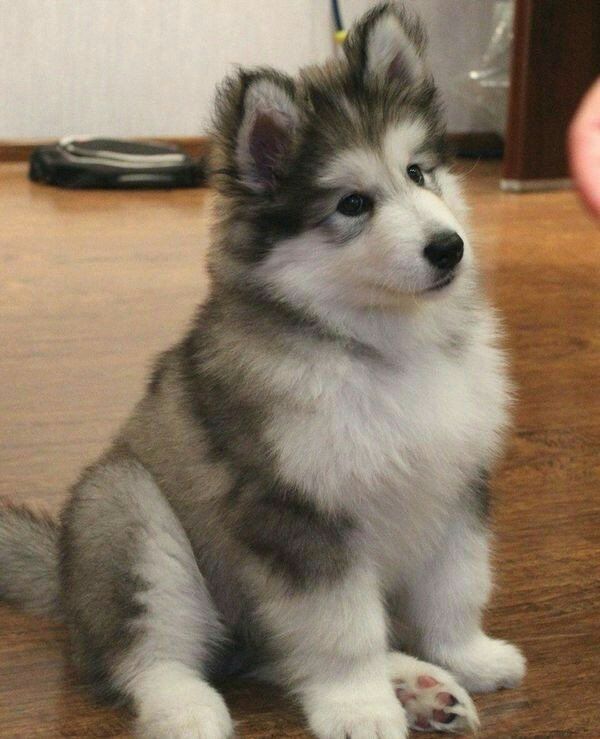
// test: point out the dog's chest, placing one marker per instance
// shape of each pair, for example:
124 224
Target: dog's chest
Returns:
395 444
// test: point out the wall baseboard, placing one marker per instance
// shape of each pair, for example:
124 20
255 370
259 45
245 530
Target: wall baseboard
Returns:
20 151
476 144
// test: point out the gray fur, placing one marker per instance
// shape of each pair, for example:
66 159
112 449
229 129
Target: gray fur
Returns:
356 41
254 223
29 560
100 540
307 546
480 494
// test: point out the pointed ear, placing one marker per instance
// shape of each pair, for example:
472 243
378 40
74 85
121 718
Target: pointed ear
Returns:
389 44
255 128
262 130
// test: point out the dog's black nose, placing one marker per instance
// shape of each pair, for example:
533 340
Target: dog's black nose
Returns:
445 250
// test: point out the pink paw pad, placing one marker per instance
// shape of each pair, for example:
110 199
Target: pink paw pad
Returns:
434 704
442 717
424 681
422 723
404 696
446 699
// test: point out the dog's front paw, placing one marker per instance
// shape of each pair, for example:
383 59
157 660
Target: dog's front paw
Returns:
197 711
356 718
432 698
484 664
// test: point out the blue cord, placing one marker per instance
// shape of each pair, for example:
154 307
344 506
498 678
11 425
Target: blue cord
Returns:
337 17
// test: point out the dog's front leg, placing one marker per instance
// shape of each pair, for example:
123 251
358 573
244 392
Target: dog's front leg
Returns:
444 608
331 643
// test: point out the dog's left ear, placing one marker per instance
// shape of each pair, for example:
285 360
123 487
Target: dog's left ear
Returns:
389 44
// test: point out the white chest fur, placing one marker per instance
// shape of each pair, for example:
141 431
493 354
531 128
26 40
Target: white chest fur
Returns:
396 444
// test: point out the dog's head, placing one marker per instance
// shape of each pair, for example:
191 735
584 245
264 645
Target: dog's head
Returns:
337 192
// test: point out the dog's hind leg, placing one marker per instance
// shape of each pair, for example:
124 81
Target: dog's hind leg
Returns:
141 620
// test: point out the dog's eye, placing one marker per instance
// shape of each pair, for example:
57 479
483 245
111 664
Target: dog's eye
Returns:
415 174
354 205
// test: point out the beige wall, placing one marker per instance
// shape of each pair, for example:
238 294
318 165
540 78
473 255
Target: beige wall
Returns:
149 67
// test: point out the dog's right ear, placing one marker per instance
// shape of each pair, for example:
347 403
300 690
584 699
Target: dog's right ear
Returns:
256 122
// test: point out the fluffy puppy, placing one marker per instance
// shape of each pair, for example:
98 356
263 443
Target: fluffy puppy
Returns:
301 493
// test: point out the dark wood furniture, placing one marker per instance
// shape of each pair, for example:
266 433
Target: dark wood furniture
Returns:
556 56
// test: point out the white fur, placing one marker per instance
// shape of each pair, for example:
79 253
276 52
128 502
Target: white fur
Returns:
329 628
459 578
483 664
397 445
370 434
161 671
333 644
384 265
396 440
173 703
357 711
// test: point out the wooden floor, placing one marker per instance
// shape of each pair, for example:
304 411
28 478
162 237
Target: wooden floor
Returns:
93 284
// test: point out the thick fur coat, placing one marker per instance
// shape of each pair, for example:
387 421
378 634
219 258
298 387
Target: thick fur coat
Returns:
302 491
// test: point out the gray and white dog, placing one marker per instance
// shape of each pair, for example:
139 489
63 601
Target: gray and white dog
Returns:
301 493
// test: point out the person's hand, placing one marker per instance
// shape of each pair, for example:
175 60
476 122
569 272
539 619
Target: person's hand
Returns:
584 148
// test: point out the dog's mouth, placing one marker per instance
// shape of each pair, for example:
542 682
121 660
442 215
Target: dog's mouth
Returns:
442 283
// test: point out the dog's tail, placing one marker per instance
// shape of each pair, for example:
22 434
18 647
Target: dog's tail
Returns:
29 560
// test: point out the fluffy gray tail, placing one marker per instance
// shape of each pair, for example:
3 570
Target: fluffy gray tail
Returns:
29 560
